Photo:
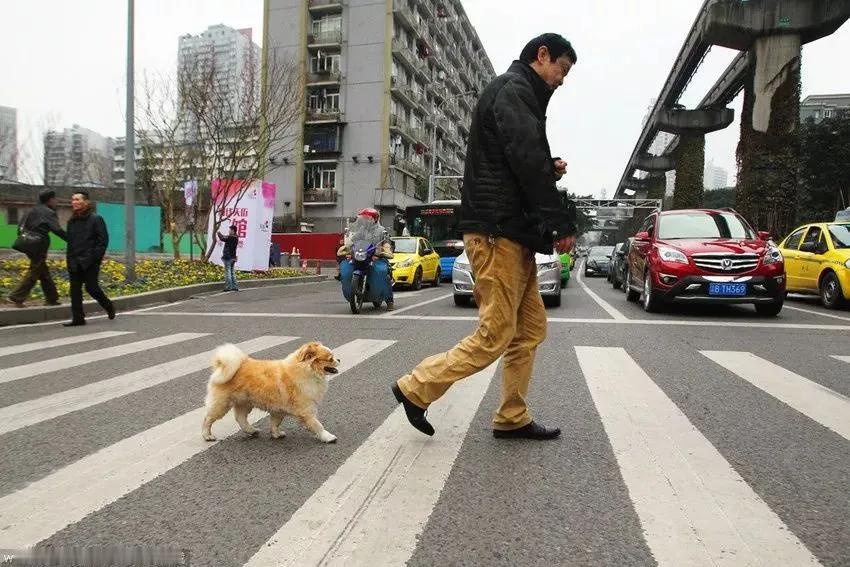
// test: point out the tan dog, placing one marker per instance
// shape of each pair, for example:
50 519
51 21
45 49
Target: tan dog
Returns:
292 386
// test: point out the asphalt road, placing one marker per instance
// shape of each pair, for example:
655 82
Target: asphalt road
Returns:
702 436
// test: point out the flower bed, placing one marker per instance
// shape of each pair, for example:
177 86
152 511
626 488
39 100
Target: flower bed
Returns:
150 275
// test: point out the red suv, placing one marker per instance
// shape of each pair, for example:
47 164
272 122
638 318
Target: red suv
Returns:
704 256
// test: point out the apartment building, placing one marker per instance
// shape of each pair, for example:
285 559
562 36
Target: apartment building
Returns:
8 143
389 87
77 157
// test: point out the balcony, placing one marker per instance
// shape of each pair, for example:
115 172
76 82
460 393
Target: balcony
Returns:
324 78
323 115
324 39
405 15
325 6
403 92
404 54
410 168
323 141
320 197
411 134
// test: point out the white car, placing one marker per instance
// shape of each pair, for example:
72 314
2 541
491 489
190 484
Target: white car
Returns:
548 279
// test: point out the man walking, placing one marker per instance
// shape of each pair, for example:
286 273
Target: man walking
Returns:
228 257
510 209
87 242
41 220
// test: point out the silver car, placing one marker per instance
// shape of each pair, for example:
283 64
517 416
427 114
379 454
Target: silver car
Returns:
548 279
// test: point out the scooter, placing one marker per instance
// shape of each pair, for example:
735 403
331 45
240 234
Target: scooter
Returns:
364 279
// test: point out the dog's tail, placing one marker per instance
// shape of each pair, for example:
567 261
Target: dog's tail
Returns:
226 361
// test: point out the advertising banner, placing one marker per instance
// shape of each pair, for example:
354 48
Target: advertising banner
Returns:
251 213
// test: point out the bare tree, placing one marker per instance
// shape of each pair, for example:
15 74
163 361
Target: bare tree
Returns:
167 158
239 128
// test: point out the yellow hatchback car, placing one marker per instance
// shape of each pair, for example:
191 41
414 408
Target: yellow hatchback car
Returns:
414 260
817 260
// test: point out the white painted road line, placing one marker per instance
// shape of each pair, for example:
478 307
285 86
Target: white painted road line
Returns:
693 507
813 312
841 358
28 413
825 406
373 508
746 324
417 305
77 339
601 302
68 495
72 360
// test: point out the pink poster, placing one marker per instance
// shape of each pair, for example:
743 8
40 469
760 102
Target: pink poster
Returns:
252 214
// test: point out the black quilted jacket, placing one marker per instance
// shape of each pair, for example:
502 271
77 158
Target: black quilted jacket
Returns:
509 178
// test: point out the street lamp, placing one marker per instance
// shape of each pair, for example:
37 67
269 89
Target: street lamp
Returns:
442 76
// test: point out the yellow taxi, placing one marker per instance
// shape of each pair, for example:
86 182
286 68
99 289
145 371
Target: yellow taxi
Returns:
414 260
817 261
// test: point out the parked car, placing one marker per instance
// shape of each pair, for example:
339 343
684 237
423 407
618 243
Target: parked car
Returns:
598 261
548 279
704 255
817 261
414 260
619 261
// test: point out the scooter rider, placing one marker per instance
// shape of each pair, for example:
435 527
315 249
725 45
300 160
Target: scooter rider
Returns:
368 228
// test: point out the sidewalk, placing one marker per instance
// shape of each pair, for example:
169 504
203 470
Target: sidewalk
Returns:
10 315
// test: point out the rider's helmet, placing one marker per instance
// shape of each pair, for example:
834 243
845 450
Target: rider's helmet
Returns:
370 213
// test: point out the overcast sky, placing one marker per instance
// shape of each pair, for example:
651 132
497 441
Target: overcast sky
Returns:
63 63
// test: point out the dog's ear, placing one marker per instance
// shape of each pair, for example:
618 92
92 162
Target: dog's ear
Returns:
309 351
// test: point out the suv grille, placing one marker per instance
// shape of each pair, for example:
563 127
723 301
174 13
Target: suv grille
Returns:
726 263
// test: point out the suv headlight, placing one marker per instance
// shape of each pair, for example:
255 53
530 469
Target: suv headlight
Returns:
672 255
772 255
847 264
405 263
461 266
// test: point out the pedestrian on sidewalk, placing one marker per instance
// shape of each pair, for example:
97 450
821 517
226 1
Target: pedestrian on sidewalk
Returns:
228 257
87 242
41 220
510 209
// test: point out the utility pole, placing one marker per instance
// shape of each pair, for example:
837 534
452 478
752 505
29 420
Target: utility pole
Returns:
130 160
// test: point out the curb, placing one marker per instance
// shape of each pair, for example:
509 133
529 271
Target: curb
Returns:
41 314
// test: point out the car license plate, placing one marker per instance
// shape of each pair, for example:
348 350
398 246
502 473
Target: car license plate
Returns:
733 289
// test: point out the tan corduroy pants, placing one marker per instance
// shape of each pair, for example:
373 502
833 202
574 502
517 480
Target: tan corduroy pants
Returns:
512 323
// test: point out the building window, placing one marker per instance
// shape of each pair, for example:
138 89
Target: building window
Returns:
323 100
12 216
827 113
328 24
319 176
325 63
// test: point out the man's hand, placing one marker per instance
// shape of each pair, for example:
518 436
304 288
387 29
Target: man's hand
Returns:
565 244
560 168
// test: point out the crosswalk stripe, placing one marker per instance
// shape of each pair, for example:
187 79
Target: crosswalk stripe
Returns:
68 495
371 510
827 407
28 413
841 358
693 507
72 360
39 345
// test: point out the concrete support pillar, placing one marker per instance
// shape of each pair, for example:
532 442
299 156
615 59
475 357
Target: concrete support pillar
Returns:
657 186
690 163
768 152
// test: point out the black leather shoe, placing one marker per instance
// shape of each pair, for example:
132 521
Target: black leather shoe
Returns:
74 323
415 414
111 313
530 431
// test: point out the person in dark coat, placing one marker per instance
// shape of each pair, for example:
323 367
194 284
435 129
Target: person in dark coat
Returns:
87 242
42 220
510 209
228 257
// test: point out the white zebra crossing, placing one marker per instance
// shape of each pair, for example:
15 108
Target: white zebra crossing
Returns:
371 510
41 409
841 358
64 362
64 341
693 506
87 485
827 407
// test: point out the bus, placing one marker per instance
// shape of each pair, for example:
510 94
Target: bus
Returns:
438 222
